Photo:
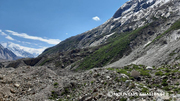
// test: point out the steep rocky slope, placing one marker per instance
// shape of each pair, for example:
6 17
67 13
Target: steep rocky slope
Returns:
6 54
130 16
140 32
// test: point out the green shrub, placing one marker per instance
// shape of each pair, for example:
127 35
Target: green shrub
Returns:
167 70
53 95
166 88
156 85
55 84
164 83
123 79
123 99
145 73
110 68
117 79
167 74
123 71
159 73
145 90
177 83
66 91
135 67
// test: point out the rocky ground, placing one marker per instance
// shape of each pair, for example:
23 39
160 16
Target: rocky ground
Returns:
26 83
132 82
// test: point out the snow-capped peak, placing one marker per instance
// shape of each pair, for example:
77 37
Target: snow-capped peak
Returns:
137 5
21 51
1 46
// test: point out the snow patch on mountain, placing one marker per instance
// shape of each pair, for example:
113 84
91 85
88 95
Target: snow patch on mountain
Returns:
101 40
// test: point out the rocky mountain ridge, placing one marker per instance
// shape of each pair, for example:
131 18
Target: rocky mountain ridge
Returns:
131 12
6 54
138 23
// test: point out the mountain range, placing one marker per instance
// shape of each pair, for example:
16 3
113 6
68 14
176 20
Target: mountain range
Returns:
6 54
21 51
18 50
137 50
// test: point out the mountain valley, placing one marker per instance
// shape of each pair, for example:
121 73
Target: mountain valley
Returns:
134 52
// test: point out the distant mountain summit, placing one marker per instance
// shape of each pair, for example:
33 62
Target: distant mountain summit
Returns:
16 49
6 54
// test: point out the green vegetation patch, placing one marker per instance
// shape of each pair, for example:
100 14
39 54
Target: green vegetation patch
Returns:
110 68
145 73
45 61
159 73
123 99
112 51
145 90
53 95
126 70
123 71
56 84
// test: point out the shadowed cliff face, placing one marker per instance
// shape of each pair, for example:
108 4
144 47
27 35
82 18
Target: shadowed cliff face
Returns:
6 54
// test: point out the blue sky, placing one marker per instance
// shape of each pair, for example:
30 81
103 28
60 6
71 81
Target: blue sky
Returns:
44 23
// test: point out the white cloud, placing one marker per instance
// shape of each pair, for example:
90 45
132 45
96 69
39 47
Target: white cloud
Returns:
96 18
8 37
26 36
3 34
66 33
26 42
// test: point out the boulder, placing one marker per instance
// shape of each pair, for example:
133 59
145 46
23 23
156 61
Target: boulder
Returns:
149 68
1 77
16 85
135 74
